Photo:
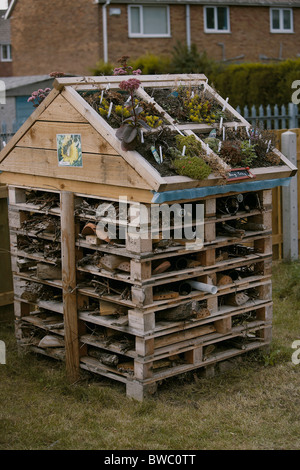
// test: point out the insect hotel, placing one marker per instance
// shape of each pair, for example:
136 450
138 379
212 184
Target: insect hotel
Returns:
140 212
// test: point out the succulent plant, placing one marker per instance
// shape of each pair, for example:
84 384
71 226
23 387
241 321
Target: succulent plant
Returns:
193 167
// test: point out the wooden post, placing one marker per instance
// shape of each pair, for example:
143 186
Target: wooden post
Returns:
289 201
69 285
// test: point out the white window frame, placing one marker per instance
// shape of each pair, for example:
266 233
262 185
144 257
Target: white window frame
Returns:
141 34
281 28
216 30
9 59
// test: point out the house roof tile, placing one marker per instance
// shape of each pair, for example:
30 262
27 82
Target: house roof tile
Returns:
16 82
283 3
268 3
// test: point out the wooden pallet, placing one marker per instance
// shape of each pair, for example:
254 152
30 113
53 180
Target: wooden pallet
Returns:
129 323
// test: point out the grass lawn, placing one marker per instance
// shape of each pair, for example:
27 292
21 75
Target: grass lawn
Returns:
254 405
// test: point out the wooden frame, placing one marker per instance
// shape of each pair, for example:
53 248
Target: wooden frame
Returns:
109 286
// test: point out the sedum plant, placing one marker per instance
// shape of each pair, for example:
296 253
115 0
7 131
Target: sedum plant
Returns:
238 153
135 118
193 167
153 121
192 145
248 153
38 96
188 159
128 131
199 109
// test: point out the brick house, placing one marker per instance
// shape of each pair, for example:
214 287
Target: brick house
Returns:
71 36
5 47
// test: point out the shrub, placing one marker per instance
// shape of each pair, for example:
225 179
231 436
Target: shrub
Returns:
151 64
190 60
102 68
181 60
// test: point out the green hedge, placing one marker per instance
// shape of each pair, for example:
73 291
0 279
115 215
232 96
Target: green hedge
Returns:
244 84
257 84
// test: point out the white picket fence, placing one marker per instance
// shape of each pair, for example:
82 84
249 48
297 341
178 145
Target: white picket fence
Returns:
283 117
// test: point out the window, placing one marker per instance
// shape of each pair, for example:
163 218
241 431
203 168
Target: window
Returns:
281 20
6 53
148 21
216 19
